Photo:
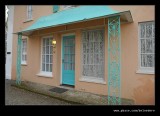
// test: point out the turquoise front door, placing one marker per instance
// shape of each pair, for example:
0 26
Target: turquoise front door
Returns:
68 60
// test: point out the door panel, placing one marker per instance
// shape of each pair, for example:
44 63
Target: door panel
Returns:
68 60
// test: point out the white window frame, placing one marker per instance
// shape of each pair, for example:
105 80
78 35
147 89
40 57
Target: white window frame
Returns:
24 53
45 73
29 12
88 78
144 70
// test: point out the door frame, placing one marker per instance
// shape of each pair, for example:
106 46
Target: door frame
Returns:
68 34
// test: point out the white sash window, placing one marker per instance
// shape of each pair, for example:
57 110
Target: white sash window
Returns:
29 12
24 51
47 54
146 46
93 54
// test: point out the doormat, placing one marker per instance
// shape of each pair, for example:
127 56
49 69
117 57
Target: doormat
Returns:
58 90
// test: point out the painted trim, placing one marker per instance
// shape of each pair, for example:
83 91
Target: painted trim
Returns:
92 80
62 35
23 63
145 71
146 21
45 74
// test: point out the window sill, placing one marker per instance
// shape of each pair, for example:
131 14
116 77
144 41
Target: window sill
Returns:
143 71
24 64
28 20
44 74
92 80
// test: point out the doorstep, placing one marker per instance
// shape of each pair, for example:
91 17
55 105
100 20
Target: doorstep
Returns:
69 95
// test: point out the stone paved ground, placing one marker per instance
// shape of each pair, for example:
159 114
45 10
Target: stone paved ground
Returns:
16 96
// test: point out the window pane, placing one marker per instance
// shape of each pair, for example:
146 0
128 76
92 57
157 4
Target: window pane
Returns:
50 67
101 37
96 60
25 57
43 50
47 49
149 46
47 67
153 40
153 27
43 58
51 58
84 70
150 60
144 60
65 58
29 8
47 41
142 29
43 67
148 30
29 12
91 70
153 60
65 66
88 58
91 47
47 58
91 59
142 45
101 47
96 45
65 50
22 57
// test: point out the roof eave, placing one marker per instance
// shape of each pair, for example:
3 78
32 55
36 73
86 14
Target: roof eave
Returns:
126 14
